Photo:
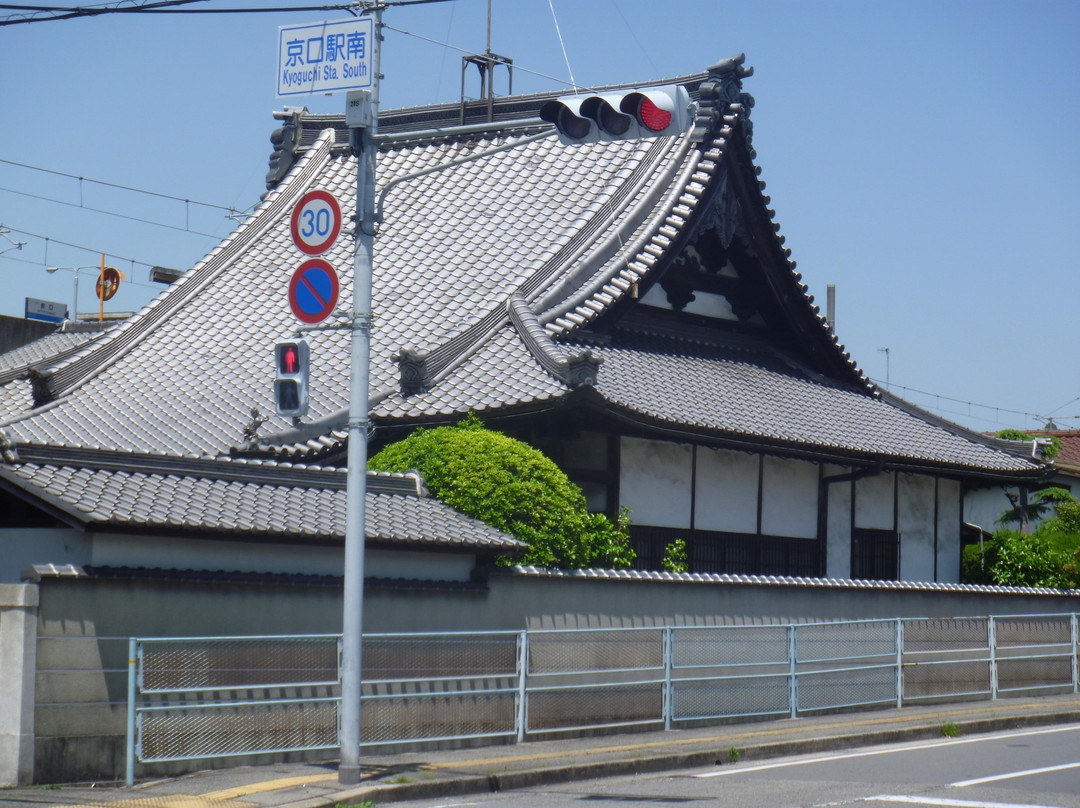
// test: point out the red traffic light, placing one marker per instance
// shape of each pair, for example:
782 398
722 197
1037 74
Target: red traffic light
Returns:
291 377
647 113
642 113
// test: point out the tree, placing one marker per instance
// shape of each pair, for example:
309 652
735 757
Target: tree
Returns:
1048 557
514 488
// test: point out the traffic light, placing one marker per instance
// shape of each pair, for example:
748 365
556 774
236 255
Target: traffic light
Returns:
291 377
285 139
646 112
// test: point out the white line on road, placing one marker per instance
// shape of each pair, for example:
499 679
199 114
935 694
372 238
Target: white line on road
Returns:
993 778
910 800
911 748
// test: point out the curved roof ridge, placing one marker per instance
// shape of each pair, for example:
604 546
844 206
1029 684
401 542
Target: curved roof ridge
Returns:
103 353
573 369
636 261
37 355
421 368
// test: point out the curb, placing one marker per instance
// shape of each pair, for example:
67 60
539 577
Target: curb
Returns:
487 784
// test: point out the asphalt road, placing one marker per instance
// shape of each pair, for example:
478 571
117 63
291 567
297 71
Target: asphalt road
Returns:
1037 768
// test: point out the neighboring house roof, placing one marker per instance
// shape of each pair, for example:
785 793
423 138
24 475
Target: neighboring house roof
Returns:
117 491
1069 457
507 285
19 367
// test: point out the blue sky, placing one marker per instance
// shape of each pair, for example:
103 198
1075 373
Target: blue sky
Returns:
921 156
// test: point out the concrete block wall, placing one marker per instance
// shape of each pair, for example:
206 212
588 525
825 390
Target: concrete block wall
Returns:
18 664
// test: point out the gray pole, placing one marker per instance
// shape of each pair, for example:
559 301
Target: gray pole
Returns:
356 482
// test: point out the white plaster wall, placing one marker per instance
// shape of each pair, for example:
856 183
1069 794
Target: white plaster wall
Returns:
949 531
915 522
983 506
727 484
203 554
789 498
874 502
708 304
838 551
655 480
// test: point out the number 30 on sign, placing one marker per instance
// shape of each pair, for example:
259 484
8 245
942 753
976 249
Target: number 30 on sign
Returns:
316 222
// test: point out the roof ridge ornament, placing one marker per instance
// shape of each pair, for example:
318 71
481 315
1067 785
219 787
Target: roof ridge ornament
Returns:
722 91
576 370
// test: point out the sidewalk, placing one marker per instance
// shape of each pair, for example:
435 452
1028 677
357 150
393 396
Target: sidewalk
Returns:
458 772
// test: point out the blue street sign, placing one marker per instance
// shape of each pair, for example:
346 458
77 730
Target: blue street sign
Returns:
313 291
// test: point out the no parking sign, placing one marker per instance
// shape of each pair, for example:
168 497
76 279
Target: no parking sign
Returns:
313 291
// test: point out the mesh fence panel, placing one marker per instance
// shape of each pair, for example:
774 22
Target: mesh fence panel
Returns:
1033 674
595 706
216 731
610 649
737 696
438 657
237 662
729 645
436 715
923 681
821 642
846 688
1033 631
927 635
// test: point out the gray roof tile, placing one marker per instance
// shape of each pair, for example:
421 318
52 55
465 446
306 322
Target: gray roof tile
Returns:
569 229
145 499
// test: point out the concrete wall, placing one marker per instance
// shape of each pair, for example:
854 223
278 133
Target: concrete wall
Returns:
23 547
18 660
78 694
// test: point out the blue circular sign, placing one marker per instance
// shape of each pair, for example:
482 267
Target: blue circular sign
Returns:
313 291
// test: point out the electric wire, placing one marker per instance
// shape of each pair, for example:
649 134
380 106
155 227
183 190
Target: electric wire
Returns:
48 240
997 410
473 53
129 218
119 187
167 7
562 44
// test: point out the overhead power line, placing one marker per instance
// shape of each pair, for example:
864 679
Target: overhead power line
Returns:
34 13
49 241
119 187
969 404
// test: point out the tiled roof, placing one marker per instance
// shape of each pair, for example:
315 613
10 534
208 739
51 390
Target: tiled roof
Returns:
251 499
755 394
487 276
786 581
45 349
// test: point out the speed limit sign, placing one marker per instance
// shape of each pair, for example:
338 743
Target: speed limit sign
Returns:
316 222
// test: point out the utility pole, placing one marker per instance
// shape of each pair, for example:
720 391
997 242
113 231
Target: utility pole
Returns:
363 123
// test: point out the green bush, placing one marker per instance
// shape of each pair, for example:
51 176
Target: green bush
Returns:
977 563
1045 558
675 558
1049 452
514 488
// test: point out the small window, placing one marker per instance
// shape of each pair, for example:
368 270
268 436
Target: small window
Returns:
875 555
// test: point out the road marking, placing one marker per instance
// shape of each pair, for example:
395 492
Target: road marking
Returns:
269 785
906 748
909 800
994 778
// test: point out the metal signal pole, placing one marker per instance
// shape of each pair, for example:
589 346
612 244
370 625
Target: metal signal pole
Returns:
363 117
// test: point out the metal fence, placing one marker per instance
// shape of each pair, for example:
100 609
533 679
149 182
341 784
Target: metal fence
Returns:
208 697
